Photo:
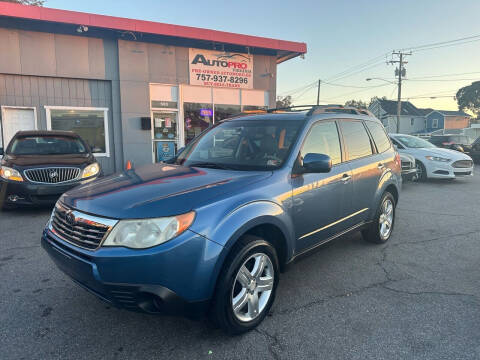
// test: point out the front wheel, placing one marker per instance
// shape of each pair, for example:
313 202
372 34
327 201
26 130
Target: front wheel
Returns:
382 226
421 171
246 288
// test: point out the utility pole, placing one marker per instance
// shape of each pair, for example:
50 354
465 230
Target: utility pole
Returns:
400 72
318 92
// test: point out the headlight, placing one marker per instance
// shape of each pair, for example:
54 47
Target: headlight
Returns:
145 233
10 174
91 170
436 158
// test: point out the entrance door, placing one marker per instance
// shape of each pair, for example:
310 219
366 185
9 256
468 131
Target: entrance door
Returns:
16 119
165 138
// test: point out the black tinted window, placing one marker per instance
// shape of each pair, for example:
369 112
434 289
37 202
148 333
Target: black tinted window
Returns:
323 139
46 145
356 139
379 136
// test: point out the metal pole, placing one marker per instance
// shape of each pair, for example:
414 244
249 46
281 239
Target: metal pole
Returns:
399 101
318 92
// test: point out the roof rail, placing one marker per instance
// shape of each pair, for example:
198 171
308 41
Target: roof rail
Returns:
311 110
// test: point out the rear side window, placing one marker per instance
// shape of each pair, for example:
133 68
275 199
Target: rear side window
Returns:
379 136
356 139
323 139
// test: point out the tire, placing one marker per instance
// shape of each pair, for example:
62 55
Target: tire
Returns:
236 285
421 171
376 232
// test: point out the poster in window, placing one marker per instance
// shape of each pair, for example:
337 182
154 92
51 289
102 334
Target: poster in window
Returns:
165 150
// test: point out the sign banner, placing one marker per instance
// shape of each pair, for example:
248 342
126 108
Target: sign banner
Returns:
220 69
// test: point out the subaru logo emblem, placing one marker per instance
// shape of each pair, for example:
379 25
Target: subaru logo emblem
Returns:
53 174
70 218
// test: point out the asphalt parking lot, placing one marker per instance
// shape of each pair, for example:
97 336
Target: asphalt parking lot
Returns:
417 297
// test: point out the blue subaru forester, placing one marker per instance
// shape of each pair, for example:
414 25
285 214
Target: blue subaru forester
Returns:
211 231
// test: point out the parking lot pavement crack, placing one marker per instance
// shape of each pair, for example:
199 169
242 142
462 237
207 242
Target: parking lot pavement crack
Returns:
439 293
333 297
274 345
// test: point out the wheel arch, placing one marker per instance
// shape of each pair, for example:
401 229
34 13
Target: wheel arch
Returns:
273 225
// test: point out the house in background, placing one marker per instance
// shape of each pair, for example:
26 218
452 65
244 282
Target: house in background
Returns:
446 119
412 119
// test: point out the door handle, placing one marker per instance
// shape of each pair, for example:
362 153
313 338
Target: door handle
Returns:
346 177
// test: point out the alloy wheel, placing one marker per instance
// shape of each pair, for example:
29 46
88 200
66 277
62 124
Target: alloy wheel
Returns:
385 221
419 171
252 287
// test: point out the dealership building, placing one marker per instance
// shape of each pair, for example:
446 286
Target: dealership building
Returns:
134 90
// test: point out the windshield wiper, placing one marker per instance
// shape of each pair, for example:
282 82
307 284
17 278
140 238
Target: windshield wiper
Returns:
211 165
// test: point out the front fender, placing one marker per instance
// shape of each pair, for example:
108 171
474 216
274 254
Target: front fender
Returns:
237 222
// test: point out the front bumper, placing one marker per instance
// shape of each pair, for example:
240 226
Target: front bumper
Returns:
409 174
177 277
27 193
437 170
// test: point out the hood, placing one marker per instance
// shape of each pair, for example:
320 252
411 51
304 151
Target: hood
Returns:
441 152
42 160
156 190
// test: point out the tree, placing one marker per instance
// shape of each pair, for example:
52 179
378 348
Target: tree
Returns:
468 98
26 2
373 99
359 104
284 102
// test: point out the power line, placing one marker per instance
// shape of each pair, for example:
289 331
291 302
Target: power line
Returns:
441 80
445 75
442 43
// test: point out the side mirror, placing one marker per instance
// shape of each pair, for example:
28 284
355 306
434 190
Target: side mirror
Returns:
317 163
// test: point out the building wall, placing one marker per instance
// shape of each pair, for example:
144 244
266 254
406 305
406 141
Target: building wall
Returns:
43 69
430 120
51 69
143 63
457 122
38 92
406 127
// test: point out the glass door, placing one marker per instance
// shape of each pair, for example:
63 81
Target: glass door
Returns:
164 131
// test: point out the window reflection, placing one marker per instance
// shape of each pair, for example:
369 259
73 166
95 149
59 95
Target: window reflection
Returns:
89 124
198 117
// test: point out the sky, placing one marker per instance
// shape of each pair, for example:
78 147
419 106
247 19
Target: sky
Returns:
340 35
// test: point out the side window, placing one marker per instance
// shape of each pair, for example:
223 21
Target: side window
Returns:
379 136
323 139
356 139
397 144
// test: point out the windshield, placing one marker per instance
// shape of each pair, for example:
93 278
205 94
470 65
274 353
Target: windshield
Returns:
47 145
414 142
242 145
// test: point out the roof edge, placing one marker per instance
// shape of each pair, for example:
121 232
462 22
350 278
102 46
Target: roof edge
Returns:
150 27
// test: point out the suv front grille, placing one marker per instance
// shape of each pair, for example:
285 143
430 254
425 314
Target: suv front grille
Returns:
406 165
52 175
85 231
463 164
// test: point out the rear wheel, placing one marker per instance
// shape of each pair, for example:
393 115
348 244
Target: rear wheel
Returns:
382 226
246 288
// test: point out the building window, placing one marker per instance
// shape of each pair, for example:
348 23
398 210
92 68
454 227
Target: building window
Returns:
90 123
435 123
412 121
